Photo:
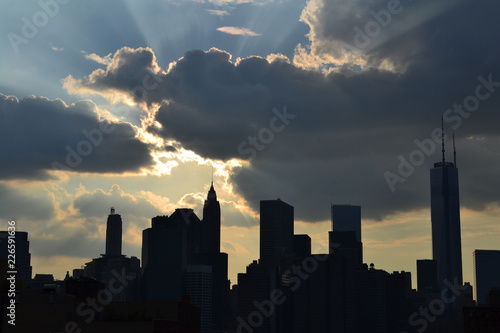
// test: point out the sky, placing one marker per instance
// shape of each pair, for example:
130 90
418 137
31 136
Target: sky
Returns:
137 105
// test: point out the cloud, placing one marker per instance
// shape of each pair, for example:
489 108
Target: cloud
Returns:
349 126
55 48
121 74
79 227
22 204
97 203
97 58
218 12
373 34
39 135
238 31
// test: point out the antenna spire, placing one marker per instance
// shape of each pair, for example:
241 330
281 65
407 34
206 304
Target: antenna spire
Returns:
454 152
212 174
442 139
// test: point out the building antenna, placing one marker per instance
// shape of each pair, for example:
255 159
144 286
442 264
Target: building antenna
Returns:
442 138
454 152
212 174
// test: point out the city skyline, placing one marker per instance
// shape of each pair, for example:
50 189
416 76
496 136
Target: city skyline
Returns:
176 263
116 243
138 106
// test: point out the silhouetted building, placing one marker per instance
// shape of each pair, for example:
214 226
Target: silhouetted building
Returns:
77 272
276 231
309 295
371 300
199 289
164 260
482 319
106 268
220 286
147 317
261 279
46 311
399 302
113 263
445 218
345 244
341 288
302 245
39 280
186 219
486 274
322 293
210 227
254 289
494 297
347 218
332 293
83 288
427 276
173 244
114 234
345 237
22 253
210 255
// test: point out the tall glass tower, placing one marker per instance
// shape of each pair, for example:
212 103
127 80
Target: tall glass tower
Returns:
445 218
276 231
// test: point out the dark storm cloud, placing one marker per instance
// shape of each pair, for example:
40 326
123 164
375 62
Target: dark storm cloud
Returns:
21 205
375 31
348 128
427 35
38 134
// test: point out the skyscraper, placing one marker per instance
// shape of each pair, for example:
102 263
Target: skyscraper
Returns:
23 255
178 250
486 274
210 255
276 231
347 218
445 218
164 260
114 234
345 237
210 242
104 268
199 288
427 275
302 245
